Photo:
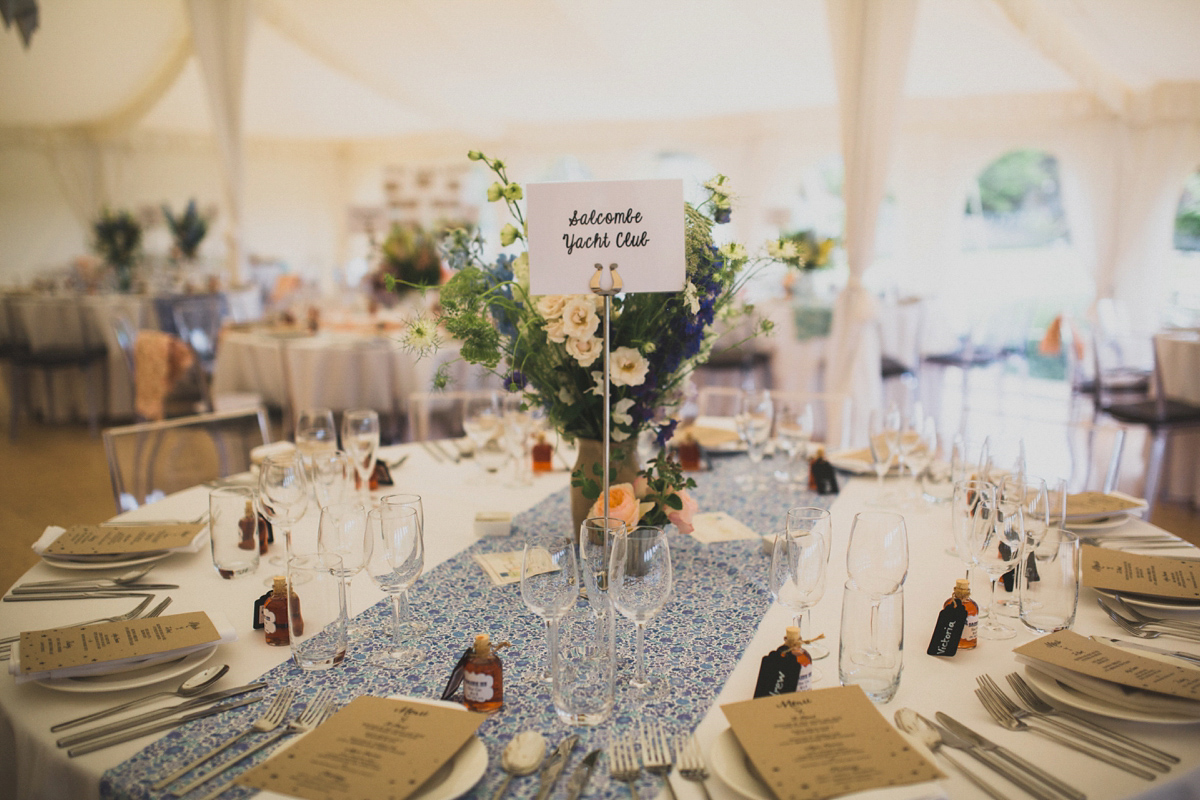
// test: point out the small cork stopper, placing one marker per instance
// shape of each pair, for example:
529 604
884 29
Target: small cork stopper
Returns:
791 636
483 645
280 586
962 588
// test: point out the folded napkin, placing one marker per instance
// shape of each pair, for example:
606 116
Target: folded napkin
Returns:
1114 693
225 629
712 431
52 532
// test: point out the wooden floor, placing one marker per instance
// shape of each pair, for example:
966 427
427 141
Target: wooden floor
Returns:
57 474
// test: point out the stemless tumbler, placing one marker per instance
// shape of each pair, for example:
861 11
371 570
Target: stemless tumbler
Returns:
233 531
316 611
584 678
871 648
1048 580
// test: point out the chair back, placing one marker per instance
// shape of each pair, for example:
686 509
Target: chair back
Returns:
150 460
1096 452
198 323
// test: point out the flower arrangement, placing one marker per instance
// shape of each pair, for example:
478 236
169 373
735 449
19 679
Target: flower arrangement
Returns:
803 250
409 260
118 240
550 346
658 496
187 230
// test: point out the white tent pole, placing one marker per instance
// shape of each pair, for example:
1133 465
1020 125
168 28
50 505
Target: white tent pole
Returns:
220 33
870 40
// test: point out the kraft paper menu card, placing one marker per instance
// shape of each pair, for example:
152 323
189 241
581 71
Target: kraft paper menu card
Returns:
824 743
109 540
1067 650
717 526
375 747
505 568
1086 503
99 649
1161 576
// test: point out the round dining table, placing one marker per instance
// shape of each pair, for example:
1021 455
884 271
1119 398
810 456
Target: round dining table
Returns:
709 638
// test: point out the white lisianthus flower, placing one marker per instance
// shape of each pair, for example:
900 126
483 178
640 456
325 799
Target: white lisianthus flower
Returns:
598 380
691 297
579 318
565 395
629 367
550 306
618 435
585 351
620 412
555 331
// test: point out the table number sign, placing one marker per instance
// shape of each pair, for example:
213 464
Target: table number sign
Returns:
373 748
1160 576
824 743
637 225
88 540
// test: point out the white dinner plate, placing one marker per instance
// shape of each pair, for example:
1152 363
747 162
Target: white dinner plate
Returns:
1151 602
728 761
1064 695
118 564
1094 516
1103 523
133 677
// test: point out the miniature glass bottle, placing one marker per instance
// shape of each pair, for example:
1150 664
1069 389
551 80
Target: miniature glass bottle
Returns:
483 678
962 595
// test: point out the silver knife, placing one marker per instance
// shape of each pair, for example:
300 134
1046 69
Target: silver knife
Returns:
122 589
579 777
94 594
1008 755
997 765
1148 648
161 726
150 716
555 763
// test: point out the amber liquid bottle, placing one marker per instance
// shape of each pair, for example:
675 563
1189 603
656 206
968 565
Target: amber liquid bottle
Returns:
796 644
689 454
483 678
962 595
543 455
275 614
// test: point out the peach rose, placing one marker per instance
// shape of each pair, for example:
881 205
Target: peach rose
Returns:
683 517
622 504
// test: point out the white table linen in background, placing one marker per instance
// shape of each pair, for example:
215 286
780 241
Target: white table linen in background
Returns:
452 494
1179 361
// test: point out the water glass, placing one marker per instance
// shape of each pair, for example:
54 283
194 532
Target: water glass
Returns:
233 531
332 474
282 495
1048 580
360 441
316 610
584 676
315 433
871 648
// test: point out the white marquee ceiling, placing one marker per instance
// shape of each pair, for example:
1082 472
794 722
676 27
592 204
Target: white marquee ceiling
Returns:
377 68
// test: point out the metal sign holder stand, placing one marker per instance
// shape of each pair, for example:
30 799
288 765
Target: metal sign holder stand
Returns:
606 285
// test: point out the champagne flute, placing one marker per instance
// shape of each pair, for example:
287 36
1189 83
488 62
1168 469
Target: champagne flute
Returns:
877 563
549 588
639 581
360 441
343 532
755 415
997 549
396 560
412 623
333 476
793 430
315 433
282 496
881 449
970 510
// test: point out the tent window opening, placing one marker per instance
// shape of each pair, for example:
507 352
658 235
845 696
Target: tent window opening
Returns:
1016 202
1184 277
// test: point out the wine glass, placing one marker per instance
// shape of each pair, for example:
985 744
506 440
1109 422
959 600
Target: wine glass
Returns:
879 438
970 510
755 415
908 434
549 588
397 557
343 532
997 549
596 537
332 473
413 624
1030 492
517 424
639 584
793 430
315 433
877 563
797 573
282 496
360 441
482 422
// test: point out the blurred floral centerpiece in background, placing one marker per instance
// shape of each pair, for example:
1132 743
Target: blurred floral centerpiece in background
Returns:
803 250
118 240
409 261
550 347
187 231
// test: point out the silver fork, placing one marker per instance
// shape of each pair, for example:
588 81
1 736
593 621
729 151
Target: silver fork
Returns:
656 753
7 643
1030 698
268 722
691 763
623 763
1146 630
1006 720
1146 618
313 715
985 682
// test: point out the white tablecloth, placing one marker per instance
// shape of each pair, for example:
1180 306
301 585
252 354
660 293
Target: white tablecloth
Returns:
1179 360
452 494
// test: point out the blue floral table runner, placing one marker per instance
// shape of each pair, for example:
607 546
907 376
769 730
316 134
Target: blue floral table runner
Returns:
695 642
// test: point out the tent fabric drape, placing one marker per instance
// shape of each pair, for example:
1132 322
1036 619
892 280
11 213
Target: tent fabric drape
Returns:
871 40
220 33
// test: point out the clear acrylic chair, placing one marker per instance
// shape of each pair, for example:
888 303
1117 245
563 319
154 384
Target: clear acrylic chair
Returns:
150 460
